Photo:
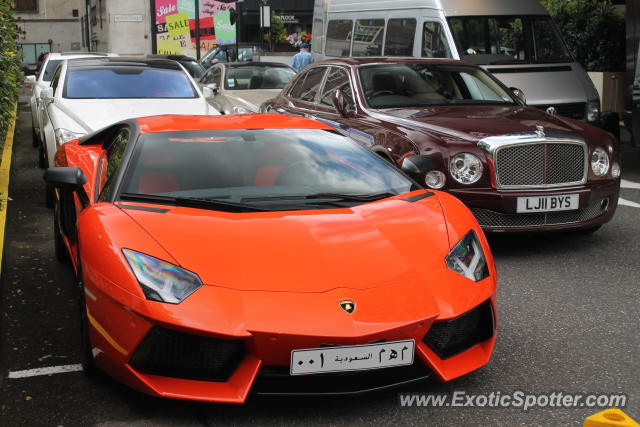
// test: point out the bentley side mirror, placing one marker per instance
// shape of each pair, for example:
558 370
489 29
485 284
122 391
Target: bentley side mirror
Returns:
71 178
341 104
417 165
519 94
31 79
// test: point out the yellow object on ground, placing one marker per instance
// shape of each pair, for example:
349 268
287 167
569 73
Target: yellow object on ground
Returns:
610 417
5 166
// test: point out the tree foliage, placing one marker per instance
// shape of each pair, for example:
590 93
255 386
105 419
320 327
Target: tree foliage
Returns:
10 73
594 32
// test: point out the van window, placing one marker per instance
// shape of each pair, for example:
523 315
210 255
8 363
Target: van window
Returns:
434 41
338 41
316 36
308 84
508 39
338 78
367 37
400 36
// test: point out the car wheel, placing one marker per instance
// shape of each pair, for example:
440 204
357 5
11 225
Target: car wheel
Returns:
35 139
61 252
86 356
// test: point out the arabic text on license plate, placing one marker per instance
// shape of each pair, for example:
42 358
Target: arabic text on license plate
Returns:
563 202
352 358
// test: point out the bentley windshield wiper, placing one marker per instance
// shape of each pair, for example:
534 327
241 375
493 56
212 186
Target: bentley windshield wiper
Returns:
192 202
319 196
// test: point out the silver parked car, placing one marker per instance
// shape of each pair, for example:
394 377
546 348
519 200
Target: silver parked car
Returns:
241 87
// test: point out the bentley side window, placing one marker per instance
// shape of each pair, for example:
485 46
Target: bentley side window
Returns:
338 78
308 85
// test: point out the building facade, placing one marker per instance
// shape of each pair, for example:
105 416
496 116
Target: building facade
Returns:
120 26
48 26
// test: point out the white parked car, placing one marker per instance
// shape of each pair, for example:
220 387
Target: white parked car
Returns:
42 79
88 94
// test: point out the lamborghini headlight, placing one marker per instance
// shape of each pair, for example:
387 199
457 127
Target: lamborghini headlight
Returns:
160 280
467 258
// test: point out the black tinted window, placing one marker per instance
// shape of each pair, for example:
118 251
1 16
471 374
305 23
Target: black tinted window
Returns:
400 36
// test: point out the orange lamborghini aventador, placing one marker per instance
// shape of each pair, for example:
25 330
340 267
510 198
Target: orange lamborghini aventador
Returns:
220 256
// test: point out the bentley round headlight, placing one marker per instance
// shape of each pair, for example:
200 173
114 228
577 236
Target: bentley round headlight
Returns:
599 162
435 180
465 168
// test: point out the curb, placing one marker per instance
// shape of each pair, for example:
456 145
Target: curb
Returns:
5 167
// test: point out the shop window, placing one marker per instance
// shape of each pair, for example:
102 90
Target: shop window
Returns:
400 35
26 6
338 42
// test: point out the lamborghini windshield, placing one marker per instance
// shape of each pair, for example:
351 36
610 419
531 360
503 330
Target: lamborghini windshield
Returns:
258 169
412 84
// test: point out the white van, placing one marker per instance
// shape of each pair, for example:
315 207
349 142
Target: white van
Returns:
515 40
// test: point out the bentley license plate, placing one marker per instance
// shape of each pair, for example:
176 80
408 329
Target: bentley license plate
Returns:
564 202
352 358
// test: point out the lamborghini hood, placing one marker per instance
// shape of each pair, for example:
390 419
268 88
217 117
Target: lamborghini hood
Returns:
367 246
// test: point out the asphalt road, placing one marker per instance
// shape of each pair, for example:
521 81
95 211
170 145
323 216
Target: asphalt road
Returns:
568 321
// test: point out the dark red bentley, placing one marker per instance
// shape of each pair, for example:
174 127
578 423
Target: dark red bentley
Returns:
517 168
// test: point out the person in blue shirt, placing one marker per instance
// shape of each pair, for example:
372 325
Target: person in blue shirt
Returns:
301 59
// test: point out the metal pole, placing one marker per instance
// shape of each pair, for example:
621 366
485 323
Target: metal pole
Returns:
238 3
197 2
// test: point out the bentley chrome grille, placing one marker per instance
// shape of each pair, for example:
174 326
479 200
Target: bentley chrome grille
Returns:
541 164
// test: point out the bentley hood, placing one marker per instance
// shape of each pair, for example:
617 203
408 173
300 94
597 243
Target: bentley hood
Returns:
474 123
367 246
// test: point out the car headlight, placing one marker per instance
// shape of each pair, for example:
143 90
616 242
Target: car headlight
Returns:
615 170
593 111
160 280
435 179
467 258
465 168
600 162
240 110
64 135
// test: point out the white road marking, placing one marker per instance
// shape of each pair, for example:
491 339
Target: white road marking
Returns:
624 202
45 371
629 184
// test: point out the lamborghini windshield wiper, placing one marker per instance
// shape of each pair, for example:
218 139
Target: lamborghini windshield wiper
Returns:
192 202
320 196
